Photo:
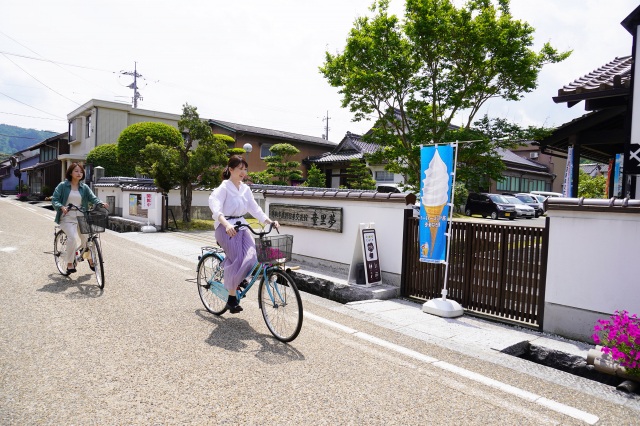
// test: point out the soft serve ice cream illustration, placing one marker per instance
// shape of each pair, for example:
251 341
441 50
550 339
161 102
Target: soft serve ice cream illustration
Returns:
435 194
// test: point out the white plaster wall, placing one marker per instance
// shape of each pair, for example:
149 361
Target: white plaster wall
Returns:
592 261
339 247
154 213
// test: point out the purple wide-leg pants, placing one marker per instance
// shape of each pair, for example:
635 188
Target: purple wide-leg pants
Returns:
240 256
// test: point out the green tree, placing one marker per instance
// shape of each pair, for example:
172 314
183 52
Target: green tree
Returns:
260 178
315 178
173 160
591 187
136 136
106 156
414 77
280 165
359 176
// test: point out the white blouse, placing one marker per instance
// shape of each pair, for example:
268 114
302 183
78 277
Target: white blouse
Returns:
228 200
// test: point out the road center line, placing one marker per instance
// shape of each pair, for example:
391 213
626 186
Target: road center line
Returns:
520 393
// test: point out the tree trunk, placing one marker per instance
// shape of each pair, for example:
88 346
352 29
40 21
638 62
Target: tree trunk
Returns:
185 201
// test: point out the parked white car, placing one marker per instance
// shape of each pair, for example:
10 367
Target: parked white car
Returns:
522 209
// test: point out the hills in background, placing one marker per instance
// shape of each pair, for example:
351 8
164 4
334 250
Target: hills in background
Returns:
14 139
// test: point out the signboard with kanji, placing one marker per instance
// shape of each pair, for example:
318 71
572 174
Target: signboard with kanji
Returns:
314 217
147 200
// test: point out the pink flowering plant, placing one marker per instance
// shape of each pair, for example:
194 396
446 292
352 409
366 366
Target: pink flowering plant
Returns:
620 337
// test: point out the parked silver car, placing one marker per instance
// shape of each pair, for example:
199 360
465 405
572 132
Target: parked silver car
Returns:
532 201
522 209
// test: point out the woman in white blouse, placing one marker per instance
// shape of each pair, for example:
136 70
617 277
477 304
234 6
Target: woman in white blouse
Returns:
229 202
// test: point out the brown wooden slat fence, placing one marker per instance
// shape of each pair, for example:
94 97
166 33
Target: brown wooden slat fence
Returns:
496 270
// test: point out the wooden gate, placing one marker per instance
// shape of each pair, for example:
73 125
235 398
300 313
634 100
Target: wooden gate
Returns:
495 270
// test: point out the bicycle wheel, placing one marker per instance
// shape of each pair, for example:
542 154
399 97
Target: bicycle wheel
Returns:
96 257
210 287
281 305
59 246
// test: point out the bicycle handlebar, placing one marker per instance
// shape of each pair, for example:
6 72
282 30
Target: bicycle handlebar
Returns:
239 225
80 209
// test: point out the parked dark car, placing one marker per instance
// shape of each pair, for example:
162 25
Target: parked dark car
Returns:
493 205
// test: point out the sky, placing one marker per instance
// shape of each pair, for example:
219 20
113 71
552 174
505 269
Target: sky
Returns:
251 62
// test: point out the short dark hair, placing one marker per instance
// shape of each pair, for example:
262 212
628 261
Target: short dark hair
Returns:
71 168
234 161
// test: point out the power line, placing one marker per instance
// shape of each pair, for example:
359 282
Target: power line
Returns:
30 106
31 116
55 62
17 137
53 90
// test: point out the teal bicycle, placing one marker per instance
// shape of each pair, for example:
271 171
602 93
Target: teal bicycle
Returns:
278 297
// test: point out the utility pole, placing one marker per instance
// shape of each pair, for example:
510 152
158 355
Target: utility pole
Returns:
134 85
326 132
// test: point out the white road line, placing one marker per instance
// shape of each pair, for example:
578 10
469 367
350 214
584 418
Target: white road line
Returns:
520 393
162 260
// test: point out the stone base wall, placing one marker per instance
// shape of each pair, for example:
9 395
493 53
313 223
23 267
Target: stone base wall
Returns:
120 224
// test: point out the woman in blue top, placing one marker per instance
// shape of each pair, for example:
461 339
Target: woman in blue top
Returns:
73 191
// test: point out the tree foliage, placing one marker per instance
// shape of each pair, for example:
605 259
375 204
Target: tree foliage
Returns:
359 176
591 187
280 165
414 77
136 136
173 160
315 178
106 156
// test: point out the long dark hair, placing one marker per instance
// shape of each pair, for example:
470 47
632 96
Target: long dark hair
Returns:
70 170
234 162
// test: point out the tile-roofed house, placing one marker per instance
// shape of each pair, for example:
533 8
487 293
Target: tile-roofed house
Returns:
599 87
335 163
261 139
600 134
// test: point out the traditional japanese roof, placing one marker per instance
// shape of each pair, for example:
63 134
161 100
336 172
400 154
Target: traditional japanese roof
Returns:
610 80
278 134
352 147
127 183
64 136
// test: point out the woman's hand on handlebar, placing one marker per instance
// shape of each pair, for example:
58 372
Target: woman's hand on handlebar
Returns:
231 230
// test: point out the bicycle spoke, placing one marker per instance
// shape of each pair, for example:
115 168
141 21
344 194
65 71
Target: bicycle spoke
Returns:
281 305
210 284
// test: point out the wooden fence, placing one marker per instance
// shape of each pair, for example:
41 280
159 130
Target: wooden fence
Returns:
496 270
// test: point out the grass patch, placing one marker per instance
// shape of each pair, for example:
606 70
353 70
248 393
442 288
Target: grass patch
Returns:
206 225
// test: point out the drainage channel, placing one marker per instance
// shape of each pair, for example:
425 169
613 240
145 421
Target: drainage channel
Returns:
568 363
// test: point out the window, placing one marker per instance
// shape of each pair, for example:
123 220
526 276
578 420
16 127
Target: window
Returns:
72 130
48 153
264 151
87 130
135 206
384 176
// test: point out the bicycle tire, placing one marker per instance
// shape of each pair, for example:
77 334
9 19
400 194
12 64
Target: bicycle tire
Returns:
210 284
96 257
281 305
59 246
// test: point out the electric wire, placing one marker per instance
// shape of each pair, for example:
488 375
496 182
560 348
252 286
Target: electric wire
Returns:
30 106
33 77
31 116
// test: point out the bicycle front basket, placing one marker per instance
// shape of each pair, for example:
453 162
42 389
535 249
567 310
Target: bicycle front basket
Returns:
275 249
98 220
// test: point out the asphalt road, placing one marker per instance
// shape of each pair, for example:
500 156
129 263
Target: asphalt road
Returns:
144 351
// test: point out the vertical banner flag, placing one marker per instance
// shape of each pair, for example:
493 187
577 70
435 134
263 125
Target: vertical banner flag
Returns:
435 190
566 186
147 200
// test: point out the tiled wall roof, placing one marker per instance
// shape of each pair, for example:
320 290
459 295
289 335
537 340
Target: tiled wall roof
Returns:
614 75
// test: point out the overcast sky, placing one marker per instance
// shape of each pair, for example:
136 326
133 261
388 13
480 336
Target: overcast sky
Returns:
252 62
